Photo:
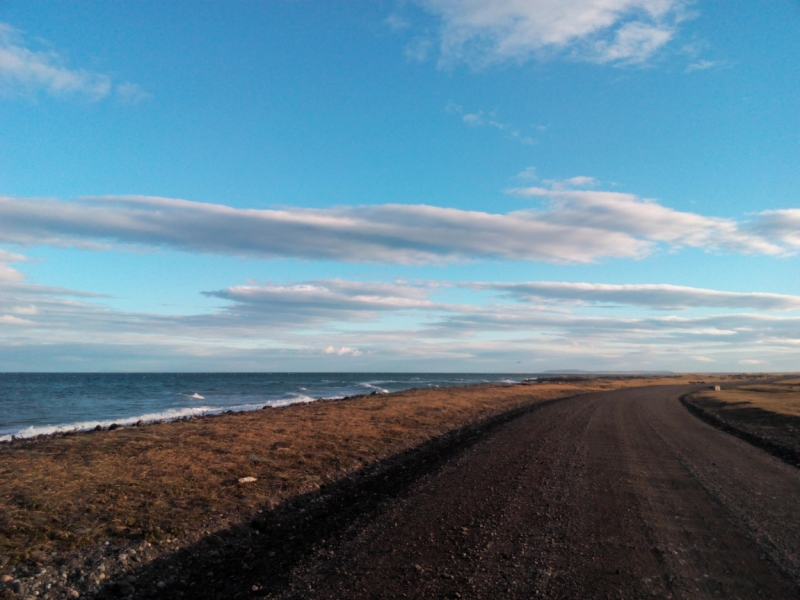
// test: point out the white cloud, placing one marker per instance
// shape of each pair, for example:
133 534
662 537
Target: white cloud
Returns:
751 361
7 273
578 181
396 22
650 295
647 219
484 119
391 326
12 320
24 71
493 31
323 300
781 225
131 93
633 43
30 309
528 173
419 49
703 359
577 226
383 233
702 65
343 351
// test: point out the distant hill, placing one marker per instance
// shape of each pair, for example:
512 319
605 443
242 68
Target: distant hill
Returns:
579 372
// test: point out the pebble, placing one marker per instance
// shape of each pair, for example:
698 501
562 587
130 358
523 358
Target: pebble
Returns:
161 585
125 588
73 593
6 578
247 479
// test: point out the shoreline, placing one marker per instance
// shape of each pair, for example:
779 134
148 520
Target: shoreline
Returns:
93 497
72 429
171 414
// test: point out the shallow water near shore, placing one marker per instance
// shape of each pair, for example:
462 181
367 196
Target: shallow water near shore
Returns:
42 403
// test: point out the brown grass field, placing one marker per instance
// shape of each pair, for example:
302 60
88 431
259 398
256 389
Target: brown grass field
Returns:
169 479
782 397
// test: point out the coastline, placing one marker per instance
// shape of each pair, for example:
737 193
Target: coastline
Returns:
84 401
73 498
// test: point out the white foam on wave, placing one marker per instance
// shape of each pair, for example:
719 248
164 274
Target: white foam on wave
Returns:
373 387
166 415
196 396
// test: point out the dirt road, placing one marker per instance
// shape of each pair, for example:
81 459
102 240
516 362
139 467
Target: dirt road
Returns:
614 495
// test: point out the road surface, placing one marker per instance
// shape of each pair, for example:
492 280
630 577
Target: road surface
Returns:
611 495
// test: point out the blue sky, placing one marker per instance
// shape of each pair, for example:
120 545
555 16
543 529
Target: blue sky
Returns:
451 185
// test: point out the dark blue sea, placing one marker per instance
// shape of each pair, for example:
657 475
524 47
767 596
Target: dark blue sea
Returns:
41 403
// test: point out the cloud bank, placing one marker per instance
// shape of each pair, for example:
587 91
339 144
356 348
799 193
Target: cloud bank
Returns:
398 325
575 226
660 296
482 32
324 300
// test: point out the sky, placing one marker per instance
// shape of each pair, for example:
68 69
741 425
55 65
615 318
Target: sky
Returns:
399 185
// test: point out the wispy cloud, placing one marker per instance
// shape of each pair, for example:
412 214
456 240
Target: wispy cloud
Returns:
343 351
483 119
7 272
26 71
660 296
574 226
703 359
286 325
482 32
324 300
647 219
703 65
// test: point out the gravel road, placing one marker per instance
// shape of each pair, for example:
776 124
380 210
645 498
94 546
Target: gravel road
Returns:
612 495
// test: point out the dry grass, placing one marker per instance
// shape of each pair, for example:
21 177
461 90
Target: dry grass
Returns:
165 479
782 397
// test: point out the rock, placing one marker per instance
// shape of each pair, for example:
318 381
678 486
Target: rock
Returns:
6 578
161 585
98 428
113 426
17 587
73 593
124 588
139 423
4 561
243 480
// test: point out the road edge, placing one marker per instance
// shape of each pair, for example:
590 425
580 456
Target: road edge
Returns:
788 455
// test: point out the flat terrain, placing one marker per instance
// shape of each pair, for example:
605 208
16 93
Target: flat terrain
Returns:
560 490
612 495
782 397
764 414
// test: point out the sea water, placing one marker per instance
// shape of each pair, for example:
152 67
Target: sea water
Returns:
41 403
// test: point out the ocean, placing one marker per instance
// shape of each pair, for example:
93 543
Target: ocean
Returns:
41 403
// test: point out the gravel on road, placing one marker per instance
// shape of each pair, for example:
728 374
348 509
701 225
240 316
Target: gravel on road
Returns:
618 494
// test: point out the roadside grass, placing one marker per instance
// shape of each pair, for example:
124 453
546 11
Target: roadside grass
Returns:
164 480
782 397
